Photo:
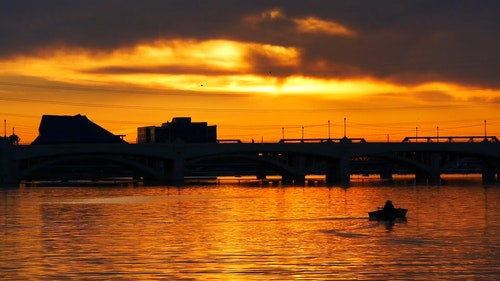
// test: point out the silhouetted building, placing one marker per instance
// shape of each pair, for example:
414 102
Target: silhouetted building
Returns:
55 129
180 129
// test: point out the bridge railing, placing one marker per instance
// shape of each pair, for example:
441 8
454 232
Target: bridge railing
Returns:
362 140
322 140
229 141
452 139
311 140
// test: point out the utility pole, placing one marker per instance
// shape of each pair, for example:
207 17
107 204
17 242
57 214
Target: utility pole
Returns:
329 129
345 130
485 129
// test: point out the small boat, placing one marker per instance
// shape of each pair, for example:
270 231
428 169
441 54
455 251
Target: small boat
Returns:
388 215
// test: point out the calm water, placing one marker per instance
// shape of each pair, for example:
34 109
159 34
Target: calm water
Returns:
242 232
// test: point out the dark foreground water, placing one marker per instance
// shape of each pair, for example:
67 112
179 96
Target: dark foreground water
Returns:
241 232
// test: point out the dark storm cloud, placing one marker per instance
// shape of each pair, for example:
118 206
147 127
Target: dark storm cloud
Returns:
404 41
27 25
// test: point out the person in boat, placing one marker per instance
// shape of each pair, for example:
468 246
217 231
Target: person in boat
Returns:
388 206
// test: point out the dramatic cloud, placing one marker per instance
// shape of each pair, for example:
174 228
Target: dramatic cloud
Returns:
308 24
308 60
319 26
406 41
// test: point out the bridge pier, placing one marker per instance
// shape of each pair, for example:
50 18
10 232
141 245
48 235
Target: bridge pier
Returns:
160 175
260 174
338 172
166 172
490 174
176 172
9 173
300 166
432 175
286 179
386 171
428 178
289 179
298 177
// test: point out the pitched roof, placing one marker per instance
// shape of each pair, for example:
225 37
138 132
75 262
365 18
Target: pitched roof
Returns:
57 129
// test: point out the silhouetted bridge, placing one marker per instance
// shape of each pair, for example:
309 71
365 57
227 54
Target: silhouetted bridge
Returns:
168 164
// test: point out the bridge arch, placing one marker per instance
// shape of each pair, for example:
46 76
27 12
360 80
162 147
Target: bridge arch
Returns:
429 165
157 169
261 160
123 162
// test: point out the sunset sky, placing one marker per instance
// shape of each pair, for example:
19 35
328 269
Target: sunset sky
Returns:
256 69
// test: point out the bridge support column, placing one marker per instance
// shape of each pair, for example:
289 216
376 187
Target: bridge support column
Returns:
300 175
489 173
297 177
434 179
386 171
299 180
338 172
497 171
432 175
428 178
420 178
167 173
330 172
9 173
176 172
260 172
286 178
160 173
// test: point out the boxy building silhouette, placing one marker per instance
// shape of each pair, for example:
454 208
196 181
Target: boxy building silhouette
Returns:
180 129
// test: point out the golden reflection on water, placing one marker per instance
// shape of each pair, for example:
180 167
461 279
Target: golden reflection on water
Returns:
234 232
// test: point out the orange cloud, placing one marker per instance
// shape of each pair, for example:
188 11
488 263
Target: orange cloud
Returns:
319 26
218 66
268 15
310 24
202 74
158 62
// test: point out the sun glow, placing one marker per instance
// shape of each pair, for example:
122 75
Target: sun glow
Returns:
213 66
175 64
264 83
334 88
